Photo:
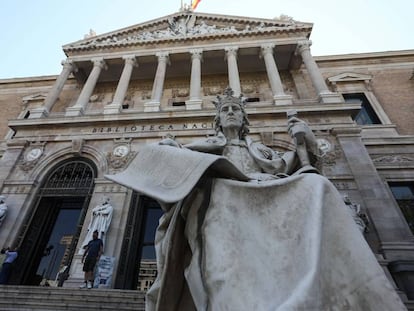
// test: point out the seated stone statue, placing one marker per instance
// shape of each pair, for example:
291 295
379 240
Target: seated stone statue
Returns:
248 228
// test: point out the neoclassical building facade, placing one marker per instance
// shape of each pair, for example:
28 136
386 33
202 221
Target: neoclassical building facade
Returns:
121 90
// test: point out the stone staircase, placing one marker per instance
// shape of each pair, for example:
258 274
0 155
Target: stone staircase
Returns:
25 298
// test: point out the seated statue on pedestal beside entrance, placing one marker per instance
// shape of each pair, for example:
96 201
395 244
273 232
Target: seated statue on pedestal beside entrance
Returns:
249 228
100 220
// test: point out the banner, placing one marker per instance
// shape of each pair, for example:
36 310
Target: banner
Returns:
103 272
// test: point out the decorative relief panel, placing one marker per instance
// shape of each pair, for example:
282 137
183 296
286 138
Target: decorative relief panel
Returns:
16 189
330 152
113 188
392 158
32 155
345 184
121 154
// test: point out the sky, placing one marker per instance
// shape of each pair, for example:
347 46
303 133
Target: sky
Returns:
32 32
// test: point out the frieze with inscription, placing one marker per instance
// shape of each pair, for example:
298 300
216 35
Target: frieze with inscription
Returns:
153 127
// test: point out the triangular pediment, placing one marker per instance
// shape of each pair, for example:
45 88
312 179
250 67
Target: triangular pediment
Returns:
34 97
349 76
190 25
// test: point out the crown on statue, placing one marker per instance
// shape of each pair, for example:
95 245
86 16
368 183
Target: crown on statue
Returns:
229 98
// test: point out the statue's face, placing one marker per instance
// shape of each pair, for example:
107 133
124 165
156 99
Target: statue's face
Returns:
231 115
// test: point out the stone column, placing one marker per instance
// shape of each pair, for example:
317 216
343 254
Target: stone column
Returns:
83 100
234 79
393 231
54 93
325 96
157 88
279 96
195 101
121 89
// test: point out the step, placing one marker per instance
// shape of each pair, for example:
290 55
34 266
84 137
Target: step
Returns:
58 298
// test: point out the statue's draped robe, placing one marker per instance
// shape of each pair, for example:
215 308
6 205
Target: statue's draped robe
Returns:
225 243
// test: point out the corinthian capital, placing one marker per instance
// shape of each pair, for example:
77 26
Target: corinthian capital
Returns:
231 50
196 53
99 62
163 57
69 64
267 48
303 45
131 60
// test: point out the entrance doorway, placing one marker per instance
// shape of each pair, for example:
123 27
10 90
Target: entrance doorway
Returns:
50 233
137 269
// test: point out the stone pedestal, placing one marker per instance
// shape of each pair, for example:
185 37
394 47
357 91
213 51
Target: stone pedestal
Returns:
281 100
76 275
40 112
112 109
330 98
152 106
74 111
193 104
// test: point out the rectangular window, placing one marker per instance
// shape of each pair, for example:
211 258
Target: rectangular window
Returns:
367 114
404 195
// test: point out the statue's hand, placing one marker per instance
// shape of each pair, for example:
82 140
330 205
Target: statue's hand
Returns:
266 152
300 130
169 142
296 125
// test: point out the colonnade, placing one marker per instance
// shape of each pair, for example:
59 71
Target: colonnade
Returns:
195 98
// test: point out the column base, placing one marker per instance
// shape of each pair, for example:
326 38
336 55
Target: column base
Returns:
152 106
74 111
40 112
330 98
193 104
281 100
112 109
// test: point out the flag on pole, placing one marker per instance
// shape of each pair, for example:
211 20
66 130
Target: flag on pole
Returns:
194 4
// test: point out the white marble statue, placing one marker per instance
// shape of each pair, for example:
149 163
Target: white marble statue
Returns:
3 209
100 220
249 228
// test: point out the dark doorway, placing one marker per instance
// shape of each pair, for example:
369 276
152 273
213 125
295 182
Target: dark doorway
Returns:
137 269
50 233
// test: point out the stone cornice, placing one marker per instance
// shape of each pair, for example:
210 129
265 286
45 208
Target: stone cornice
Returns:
303 110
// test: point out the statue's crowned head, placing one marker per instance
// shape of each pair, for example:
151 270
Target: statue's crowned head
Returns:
228 98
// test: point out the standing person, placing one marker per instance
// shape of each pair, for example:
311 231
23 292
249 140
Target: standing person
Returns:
93 252
11 255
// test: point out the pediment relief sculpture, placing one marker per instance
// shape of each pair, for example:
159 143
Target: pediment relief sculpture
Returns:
189 24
